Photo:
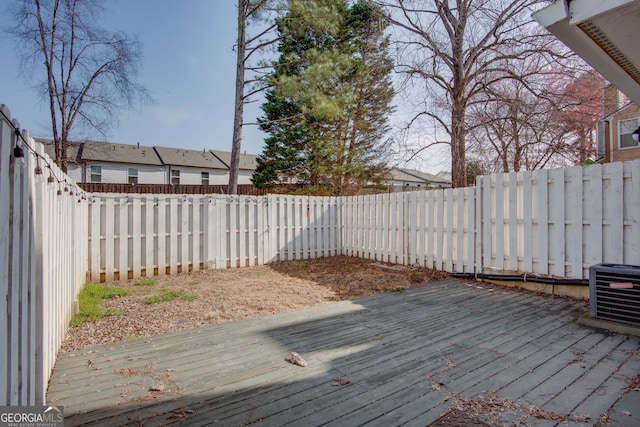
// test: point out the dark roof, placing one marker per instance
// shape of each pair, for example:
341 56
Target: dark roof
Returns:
95 151
416 175
247 161
119 153
193 158
73 149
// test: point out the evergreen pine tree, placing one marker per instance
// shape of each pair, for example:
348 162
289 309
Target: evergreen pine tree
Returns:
326 113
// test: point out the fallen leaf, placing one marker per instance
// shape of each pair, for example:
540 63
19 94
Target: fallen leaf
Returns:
157 387
339 382
296 359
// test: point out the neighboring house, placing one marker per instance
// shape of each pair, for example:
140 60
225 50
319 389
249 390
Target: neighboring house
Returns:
113 163
248 163
416 179
614 133
192 167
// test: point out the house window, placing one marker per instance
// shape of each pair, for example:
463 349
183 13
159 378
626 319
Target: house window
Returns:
625 129
204 178
133 175
600 133
175 177
96 174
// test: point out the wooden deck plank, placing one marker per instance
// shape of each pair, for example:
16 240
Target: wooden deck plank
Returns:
402 353
387 372
410 338
600 400
591 379
535 377
468 362
554 385
378 366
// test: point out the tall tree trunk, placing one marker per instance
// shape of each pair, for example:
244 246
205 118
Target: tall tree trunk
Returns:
458 149
239 100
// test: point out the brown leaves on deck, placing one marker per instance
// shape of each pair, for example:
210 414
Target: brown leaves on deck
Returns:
340 381
494 408
450 363
296 359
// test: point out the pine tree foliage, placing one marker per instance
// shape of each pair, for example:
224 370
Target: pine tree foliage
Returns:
326 113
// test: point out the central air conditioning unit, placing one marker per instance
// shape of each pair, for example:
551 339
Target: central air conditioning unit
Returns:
614 293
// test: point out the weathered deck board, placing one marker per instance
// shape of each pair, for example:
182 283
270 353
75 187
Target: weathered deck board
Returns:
405 357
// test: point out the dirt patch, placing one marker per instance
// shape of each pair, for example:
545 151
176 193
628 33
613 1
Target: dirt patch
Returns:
217 296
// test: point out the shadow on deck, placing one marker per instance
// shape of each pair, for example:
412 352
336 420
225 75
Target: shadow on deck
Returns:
499 355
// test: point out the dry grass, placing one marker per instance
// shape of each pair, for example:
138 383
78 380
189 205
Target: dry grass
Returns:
225 295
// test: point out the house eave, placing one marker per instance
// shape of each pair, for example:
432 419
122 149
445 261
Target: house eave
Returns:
601 33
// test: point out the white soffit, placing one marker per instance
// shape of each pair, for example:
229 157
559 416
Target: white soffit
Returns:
605 34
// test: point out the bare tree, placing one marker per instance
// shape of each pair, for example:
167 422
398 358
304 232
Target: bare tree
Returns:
88 71
246 46
580 110
514 129
452 52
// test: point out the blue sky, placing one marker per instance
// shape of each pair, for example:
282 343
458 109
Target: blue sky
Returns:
188 65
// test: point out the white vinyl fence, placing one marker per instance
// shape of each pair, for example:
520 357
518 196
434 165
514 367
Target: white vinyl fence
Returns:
432 228
554 222
148 235
559 222
55 238
549 222
43 264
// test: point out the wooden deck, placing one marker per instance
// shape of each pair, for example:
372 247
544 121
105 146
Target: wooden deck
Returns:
401 358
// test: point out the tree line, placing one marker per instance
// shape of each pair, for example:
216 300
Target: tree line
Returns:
475 75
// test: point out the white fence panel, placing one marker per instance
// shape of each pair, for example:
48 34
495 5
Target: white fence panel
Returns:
43 256
134 235
631 213
300 227
559 222
433 228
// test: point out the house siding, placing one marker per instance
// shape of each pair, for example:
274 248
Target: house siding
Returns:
150 174
119 173
244 177
190 176
625 154
75 172
218 177
614 112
